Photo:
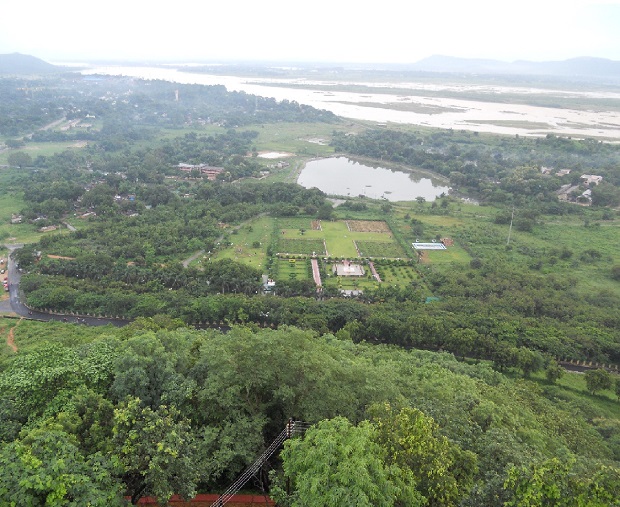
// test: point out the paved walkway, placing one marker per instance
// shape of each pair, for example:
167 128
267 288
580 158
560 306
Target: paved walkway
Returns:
316 274
374 271
187 261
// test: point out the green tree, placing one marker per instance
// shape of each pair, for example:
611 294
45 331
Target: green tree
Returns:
338 464
443 472
155 449
325 212
555 483
529 361
597 380
145 370
605 194
43 379
19 159
46 468
554 372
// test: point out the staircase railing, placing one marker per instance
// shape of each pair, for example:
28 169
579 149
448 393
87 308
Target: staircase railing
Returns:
292 428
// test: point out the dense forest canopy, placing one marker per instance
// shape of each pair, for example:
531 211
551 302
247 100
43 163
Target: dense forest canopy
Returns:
224 395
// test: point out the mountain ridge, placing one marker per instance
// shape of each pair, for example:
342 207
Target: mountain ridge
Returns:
583 66
18 63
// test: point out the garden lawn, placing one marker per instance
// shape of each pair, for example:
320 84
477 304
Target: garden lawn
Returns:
339 239
305 246
243 249
401 276
292 269
382 249
451 254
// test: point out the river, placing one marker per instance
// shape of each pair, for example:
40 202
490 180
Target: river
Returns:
415 108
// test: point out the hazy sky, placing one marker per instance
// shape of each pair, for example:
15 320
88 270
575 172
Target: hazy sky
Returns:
310 30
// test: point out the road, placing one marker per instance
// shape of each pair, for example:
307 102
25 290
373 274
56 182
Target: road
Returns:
14 304
187 261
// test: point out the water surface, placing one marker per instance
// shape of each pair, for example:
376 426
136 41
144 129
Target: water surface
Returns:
342 176
496 115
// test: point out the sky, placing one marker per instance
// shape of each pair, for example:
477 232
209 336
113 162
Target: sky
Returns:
385 31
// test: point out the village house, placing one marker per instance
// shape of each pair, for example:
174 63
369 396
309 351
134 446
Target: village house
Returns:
588 179
209 171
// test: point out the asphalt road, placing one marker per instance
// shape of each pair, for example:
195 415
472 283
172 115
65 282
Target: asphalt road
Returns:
15 305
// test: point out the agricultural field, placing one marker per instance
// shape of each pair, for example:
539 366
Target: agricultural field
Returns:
304 238
381 249
368 226
308 246
351 239
583 252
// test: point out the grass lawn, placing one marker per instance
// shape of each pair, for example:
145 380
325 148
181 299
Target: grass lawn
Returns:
451 254
561 247
303 246
17 233
382 249
292 269
401 276
243 249
44 149
350 283
340 240
593 273
309 139
571 388
294 223
30 334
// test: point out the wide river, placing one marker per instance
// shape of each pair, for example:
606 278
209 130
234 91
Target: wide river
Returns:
415 108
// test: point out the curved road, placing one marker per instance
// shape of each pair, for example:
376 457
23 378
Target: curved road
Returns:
14 304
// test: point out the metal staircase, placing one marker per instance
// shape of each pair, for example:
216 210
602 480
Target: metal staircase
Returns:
292 428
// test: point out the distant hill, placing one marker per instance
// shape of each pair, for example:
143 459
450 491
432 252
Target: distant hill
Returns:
587 67
16 63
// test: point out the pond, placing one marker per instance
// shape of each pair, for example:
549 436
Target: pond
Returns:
345 177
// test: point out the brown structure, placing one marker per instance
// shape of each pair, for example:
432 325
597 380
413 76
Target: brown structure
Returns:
447 241
209 171
207 501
